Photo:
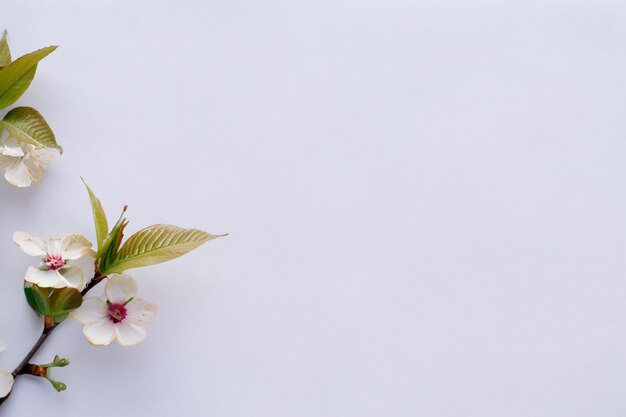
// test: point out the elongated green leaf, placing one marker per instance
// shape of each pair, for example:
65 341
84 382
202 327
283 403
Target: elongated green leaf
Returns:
112 243
26 125
5 52
156 244
16 76
17 89
99 218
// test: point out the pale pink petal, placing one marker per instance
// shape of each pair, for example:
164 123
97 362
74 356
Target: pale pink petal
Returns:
141 312
92 309
30 244
100 333
34 170
43 156
54 247
6 382
36 159
120 288
75 246
73 276
18 175
129 334
47 279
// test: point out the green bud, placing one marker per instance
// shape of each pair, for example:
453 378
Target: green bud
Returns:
57 363
58 385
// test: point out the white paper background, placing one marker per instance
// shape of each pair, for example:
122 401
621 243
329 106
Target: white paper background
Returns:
426 201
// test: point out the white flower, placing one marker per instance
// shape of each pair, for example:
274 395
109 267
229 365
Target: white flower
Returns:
6 378
122 317
24 163
56 270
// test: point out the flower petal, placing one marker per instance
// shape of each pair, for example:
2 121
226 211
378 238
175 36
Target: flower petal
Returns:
6 382
129 334
100 333
41 156
47 279
120 288
73 276
11 147
3 346
92 309
141 312
74 246
18 175
34 170
31 245
36 159
53 246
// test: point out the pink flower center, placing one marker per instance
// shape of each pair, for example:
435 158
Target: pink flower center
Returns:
54 262
117 312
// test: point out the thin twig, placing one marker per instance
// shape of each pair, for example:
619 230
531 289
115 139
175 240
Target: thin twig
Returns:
44 335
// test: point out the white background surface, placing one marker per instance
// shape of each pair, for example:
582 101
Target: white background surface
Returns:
426 201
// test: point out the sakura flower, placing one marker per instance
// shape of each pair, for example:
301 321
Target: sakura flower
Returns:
6 378
56 269
24 163
122 317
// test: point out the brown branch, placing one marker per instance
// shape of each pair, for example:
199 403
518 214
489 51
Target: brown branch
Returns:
26 361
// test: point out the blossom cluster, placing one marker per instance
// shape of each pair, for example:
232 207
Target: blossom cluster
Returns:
55 287
27 143
122 317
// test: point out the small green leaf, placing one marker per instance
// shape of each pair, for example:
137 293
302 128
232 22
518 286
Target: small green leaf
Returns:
156 244
38 298
99 218
5 52
64 301
57 303
26 125
59 317
16 77
111 244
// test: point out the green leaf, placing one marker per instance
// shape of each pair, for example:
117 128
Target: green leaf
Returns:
99 218
57 303
38 298
111 244
5 52
63 301
18 88
156 244
16 77
26 125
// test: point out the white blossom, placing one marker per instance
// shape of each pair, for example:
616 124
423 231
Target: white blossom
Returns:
56 269
6 378
122 317
23 163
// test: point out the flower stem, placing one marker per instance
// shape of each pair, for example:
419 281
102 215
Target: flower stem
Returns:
22 368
